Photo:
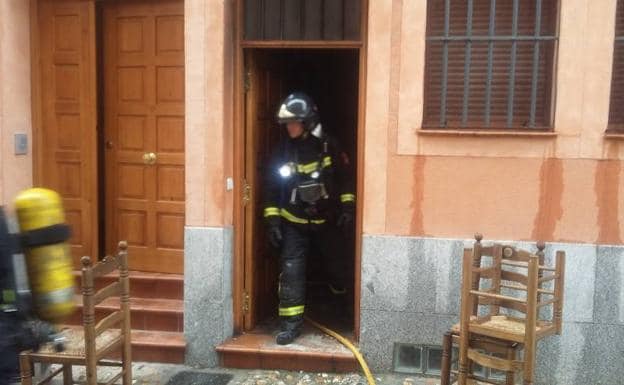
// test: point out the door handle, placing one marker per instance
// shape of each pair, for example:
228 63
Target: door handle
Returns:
149 158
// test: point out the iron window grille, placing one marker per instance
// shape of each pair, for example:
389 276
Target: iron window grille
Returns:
490 63
616 110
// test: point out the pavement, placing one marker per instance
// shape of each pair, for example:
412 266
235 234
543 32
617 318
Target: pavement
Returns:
167 374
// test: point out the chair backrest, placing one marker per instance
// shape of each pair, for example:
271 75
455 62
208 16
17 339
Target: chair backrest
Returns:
487 269
511 282
119 319
515 280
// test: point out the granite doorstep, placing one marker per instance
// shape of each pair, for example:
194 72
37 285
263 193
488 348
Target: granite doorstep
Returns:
207 292
609 294
228 276
422 268
424 274
580 279
380 330
584 353
228 264
593 304
448 256
385 273
203 332
410 294
411 274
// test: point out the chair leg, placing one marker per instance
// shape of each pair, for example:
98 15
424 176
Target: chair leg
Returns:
510 376
464 368
25 369
126 366
445 366
67 375
529 362
91 371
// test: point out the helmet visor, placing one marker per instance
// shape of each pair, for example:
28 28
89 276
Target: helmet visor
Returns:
284 115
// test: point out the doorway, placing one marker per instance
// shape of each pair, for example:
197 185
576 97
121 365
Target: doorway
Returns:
111 108
331 78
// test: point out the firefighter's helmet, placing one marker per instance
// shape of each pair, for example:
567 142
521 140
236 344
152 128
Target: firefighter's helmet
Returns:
298 107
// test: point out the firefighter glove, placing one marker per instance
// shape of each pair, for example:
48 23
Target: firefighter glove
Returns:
275 232
345 220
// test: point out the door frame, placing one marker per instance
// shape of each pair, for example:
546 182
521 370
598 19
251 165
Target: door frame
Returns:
240 45
35 92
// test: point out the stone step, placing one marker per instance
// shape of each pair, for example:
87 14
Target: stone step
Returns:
158 346
156 314
312 351
155 346
145 313
146 285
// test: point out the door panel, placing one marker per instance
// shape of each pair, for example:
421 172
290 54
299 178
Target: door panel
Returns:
144 131
265 89
68 132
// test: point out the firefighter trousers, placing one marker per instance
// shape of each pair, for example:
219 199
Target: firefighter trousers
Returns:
298 241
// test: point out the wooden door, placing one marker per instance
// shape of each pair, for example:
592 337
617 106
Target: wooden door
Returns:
264 89
66 141
144 131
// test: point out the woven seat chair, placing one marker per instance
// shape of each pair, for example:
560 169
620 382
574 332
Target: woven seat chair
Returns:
94 344
491 345
500 303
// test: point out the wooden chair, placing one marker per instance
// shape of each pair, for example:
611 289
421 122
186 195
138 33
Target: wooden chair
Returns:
491 345
508 318
94 344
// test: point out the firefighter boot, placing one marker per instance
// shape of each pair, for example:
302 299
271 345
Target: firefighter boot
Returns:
290 329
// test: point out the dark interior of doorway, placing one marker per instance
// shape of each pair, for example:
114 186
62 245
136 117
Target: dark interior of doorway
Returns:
330 77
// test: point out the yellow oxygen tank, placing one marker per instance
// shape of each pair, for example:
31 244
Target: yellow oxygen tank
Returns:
44 233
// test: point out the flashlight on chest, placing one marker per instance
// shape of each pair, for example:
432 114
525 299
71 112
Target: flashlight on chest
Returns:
289 169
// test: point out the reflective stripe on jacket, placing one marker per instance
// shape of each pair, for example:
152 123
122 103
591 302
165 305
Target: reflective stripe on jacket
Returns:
306 156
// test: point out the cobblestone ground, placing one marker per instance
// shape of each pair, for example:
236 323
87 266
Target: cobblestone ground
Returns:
301 378
160 374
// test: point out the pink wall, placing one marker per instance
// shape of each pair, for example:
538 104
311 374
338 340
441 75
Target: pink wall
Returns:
572 200
561 187
564 186
15 100
208 112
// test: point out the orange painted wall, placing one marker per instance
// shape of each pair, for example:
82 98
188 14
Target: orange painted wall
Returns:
15 97
559 187
572 200
208 44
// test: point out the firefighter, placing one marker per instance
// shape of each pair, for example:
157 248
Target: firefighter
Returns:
19 330
308 192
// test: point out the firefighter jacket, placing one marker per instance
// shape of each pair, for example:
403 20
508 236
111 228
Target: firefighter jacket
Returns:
301 170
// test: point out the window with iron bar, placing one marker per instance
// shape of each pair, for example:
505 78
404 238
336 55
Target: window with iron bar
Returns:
490 64
616 109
